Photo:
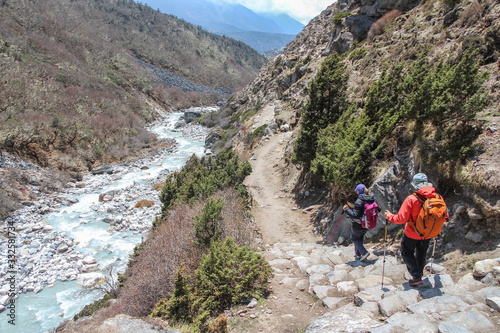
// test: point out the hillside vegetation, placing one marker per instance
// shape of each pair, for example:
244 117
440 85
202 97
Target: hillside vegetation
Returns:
72 92
358 89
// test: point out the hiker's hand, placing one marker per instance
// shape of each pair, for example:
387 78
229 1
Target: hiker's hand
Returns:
345 207
386 214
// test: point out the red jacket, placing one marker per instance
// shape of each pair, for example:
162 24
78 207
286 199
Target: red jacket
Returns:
409 211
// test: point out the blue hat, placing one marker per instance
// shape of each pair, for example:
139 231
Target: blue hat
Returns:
419 181
360 188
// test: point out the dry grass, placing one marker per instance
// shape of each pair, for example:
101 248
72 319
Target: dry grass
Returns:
379 27
152 274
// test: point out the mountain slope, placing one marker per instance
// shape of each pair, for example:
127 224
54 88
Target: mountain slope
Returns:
73 94
237 21
438 32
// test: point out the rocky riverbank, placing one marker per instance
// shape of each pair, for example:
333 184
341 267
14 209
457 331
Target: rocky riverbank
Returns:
37 255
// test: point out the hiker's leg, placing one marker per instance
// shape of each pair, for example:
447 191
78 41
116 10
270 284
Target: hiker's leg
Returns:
408 252
421 254
357 235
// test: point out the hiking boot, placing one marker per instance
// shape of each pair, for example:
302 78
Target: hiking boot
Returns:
415 282
364 256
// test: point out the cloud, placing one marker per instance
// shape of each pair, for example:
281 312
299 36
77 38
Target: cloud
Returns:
301 10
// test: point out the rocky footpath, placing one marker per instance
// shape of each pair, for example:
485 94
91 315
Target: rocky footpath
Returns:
353 291
35 255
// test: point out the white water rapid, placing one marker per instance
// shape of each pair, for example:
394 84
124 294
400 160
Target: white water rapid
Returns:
83 225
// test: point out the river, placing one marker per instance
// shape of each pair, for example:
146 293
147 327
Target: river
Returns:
83 224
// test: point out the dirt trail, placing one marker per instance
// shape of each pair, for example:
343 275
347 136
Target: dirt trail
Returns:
276 213
289 308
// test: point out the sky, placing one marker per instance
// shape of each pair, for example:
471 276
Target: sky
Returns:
301 10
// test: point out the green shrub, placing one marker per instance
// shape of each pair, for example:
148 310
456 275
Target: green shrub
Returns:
327 101
357 53
90 309
444 96
227 275
201 177
258 133
248 113
207 225
337 19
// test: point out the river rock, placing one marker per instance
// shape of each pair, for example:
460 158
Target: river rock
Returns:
90 279
62 247
104 169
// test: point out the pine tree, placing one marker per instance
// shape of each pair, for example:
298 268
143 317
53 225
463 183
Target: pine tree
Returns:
327 101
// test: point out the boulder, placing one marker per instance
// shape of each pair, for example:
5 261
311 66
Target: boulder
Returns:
126 324
488 292
346 319
332 302
190 116
372 281
324 291
473 320
483 267
212 138
493 302
408 323
474 237
337 276
436 269
447 327
443 305
319 269
102 170
468 283
359 25
347 288
397 303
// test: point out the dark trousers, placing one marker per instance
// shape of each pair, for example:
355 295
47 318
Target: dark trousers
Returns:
357 236
414 253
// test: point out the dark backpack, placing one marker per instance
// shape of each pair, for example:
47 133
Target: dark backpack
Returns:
371 214
433 214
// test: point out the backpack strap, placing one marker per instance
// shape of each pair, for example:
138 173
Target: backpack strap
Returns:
421 199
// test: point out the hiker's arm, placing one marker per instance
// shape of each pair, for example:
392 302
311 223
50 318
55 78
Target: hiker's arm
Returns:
357 211
403 215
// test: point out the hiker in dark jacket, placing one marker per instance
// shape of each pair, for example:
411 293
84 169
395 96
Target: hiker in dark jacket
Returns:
356 213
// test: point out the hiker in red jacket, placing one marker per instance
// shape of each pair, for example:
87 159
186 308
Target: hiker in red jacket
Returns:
413 246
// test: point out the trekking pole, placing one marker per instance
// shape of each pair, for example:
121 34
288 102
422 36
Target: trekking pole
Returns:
433 250
335 228
383 261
